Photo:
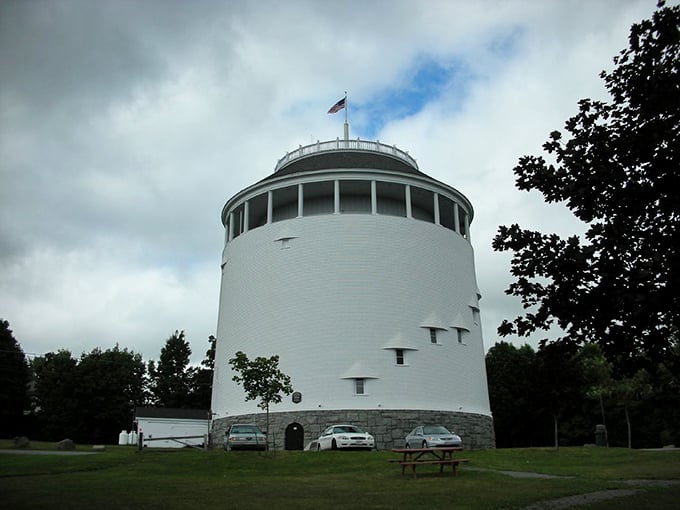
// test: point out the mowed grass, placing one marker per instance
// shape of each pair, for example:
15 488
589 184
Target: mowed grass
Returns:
122 478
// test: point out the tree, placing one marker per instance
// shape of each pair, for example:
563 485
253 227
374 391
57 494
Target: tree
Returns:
201 392
629 391
89 399
209 360
171 379
54 404
509 370
110 386
557 381
14 380
664 405
261 379
598 376
617 172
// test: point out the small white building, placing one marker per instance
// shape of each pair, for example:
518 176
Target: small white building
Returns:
172 428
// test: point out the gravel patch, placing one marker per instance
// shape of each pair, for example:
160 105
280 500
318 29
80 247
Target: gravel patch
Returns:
517 474
652 483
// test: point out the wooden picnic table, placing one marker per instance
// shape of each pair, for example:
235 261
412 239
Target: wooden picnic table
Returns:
414 457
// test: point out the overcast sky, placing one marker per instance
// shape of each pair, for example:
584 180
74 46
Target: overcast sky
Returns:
126 125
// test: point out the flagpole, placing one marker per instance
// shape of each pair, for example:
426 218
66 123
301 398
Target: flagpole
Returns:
346 124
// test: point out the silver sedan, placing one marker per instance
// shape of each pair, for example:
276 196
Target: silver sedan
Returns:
432 436
247 436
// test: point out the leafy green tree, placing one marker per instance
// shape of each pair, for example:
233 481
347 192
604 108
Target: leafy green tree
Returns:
201 392
629 392
661 425
617 171
575 389
90 399
209 360
54 401
598 376
110 386
14 379
261 379
557 380
171 378
509 372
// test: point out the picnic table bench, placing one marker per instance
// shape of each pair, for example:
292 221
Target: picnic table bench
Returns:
414 457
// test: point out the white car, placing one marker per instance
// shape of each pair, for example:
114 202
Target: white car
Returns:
345 436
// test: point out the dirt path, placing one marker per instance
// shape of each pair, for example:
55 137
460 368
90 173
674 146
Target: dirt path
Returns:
583 499
594 497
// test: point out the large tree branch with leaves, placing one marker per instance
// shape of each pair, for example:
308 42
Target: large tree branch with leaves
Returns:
617 170
261 379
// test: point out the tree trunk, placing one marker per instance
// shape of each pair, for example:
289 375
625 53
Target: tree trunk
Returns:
557 443
630 441
266 439
604 422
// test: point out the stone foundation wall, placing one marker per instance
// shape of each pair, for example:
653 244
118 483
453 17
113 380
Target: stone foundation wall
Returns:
389 427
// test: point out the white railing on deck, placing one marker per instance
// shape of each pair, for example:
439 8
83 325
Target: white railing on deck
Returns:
338 145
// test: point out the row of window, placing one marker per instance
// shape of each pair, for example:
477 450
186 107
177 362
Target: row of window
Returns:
460 334
400 356
347 197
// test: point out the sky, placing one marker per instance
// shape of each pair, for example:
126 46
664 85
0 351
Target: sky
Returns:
125 126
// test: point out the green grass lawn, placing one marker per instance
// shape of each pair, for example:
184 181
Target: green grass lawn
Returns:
122 478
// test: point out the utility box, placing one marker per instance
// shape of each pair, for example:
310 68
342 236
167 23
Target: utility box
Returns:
600 435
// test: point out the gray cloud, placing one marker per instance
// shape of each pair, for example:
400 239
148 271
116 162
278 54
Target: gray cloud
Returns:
125 126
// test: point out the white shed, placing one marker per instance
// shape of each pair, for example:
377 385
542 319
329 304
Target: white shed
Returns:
172 428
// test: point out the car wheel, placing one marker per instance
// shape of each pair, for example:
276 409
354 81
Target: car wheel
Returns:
318 447
334 445
424 444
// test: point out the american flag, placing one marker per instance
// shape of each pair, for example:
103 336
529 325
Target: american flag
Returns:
338 106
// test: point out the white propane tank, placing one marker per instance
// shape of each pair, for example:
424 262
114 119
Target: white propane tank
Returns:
132 437
123 437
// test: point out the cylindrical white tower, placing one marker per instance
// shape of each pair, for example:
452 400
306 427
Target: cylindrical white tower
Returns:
357 270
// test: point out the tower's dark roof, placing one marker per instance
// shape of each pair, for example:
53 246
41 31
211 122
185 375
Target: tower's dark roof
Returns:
345 154
347 158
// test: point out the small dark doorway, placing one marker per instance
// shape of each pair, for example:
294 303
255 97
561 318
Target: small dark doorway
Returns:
295 437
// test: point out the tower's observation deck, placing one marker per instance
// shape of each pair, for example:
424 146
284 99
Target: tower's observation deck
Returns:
347 177
346 154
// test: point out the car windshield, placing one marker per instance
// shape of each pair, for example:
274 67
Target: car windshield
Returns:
245 429
435 429
347 428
